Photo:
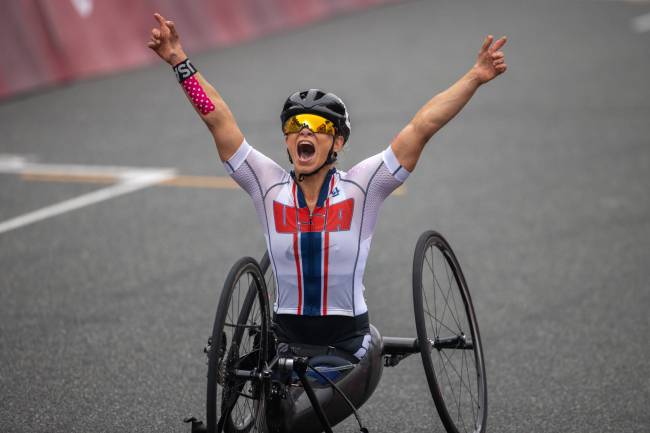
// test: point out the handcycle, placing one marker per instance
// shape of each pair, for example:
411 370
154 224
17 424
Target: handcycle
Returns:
257 385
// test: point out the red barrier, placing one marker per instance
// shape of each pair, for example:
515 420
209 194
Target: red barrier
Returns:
49 42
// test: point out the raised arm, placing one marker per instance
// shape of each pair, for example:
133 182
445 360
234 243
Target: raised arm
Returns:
206 100
408 144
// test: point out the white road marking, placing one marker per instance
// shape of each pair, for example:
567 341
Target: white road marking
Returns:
641 24
19 164
130 179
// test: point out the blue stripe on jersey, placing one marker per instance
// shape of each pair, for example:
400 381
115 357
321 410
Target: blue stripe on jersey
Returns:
325 188
310 253
301 198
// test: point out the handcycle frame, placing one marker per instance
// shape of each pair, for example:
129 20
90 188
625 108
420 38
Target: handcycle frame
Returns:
269 375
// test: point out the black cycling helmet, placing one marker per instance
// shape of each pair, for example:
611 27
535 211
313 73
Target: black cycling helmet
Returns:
315 101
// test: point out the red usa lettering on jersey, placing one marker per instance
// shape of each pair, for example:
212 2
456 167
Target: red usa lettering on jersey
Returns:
339 218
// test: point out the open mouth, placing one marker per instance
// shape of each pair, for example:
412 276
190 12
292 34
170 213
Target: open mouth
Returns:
306 151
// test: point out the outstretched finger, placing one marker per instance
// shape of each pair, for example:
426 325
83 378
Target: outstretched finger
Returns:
160 19
499 43
487 42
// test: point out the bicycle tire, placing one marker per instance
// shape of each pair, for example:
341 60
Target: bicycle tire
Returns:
269 279
239 341
442 340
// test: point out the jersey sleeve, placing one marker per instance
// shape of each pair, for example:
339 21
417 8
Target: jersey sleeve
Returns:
252 170
255 173
378 176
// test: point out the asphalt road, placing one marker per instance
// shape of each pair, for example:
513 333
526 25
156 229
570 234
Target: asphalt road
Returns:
541 185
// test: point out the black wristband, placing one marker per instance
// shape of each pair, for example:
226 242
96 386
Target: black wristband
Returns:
184 70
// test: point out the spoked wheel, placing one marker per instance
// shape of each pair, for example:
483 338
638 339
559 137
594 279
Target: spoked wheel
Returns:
239 342
450 344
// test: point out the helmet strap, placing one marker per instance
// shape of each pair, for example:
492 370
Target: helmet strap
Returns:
331 158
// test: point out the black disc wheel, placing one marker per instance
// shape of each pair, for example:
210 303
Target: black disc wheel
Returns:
448 335
239 342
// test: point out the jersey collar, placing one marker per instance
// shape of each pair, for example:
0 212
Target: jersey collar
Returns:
324 189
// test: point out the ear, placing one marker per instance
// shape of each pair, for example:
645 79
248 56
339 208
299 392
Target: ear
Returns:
339 141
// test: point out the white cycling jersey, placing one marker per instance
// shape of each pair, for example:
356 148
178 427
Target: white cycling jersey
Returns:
318 259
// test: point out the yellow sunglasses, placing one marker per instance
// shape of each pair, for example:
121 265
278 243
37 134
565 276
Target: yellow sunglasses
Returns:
313 122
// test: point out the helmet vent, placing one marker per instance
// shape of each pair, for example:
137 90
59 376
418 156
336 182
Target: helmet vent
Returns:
319 95
303 95
337 109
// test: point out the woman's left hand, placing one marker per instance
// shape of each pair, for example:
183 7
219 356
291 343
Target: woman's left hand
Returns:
491 60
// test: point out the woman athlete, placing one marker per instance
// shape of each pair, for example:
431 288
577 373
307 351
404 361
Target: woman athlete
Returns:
318 221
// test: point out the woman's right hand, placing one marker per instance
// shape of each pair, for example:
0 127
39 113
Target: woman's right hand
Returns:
166 42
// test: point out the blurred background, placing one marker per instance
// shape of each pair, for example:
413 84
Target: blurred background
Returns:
118 224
